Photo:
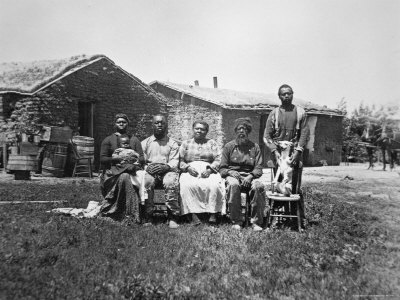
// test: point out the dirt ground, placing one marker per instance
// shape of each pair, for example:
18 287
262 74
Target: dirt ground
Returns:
376 183
376 190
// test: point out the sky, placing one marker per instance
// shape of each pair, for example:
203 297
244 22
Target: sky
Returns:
326 50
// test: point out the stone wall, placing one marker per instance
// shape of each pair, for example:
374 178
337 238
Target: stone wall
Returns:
183 110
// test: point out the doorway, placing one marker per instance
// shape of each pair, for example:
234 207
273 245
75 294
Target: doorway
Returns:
85 122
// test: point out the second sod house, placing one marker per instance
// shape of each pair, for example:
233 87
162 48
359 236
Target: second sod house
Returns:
82 92
220 107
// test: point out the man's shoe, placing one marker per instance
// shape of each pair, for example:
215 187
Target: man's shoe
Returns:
257 228
173 224
212 219
236 227
195 220
147 224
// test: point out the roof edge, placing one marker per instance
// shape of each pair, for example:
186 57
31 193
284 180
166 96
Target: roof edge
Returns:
328 112
189 94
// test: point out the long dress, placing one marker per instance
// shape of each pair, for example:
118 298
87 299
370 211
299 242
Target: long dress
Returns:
119 190
201 195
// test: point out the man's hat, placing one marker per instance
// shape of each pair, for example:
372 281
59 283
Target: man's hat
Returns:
245 122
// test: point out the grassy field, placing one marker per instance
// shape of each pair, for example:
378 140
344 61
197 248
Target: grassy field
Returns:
48 256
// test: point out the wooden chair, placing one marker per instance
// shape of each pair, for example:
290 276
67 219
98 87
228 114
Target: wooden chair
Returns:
281 206
276 211
83 164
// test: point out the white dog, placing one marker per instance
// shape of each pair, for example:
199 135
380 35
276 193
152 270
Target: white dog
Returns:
285 169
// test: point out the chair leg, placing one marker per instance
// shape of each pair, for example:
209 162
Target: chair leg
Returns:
248 209
74 171
271 212
298 215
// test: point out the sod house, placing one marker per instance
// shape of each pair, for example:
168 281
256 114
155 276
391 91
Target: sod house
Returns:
83 92
220 107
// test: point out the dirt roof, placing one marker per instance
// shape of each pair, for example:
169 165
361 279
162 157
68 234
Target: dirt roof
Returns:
27 77
242 100
30 77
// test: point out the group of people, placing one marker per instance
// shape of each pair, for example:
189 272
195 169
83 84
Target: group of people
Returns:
197 176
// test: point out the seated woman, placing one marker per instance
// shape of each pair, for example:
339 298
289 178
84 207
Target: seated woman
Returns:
119 190
201 187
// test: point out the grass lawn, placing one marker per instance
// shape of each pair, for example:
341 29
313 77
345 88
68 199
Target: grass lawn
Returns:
47 256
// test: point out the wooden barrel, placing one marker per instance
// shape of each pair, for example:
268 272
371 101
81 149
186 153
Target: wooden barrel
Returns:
54 159
22 163
84 145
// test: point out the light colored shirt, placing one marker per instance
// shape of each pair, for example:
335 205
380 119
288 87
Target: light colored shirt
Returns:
191 151
163 150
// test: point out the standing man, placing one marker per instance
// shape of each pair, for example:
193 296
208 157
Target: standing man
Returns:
241 163
161 158
288 122
368 137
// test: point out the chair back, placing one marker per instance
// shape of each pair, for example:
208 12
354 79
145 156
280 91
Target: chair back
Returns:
74 150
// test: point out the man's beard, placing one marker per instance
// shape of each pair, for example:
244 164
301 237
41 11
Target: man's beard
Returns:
159 134
286 102
242 140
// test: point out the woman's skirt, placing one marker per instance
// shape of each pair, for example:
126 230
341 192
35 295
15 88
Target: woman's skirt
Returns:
202 195
121 197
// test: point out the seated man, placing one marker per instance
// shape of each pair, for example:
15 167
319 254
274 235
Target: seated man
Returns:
162 158
241 163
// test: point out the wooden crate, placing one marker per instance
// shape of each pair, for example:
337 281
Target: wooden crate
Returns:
56 134
22 163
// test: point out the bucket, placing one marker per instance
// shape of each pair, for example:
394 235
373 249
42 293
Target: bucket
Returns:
22 163
54 160
84 145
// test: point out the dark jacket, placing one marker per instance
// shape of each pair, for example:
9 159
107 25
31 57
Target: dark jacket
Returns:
111 143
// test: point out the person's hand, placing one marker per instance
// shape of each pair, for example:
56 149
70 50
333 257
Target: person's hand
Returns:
294 160
192 171
206 173
247 181
235 174
153 169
